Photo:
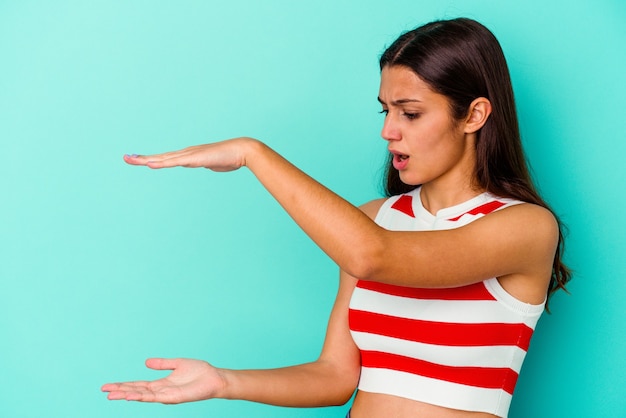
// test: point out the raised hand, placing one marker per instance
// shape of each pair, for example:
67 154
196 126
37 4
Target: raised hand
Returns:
190 380
227 155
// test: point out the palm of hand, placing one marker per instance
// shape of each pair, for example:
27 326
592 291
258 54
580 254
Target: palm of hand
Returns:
190 380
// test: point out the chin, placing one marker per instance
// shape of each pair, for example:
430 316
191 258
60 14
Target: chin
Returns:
411 180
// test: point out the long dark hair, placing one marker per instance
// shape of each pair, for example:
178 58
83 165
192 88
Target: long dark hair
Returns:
462 60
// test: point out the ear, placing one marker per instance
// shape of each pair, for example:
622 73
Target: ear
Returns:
479 111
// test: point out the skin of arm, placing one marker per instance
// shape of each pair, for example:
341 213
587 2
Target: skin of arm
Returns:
331 380
515 244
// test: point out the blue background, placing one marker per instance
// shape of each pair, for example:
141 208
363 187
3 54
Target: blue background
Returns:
103 265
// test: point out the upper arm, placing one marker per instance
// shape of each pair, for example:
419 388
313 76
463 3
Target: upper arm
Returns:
517 243
371 208
339 348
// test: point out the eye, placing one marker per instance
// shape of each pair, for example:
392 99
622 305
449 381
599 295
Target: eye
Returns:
411 116
384 112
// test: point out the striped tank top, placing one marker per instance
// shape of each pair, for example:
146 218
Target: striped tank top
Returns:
460 348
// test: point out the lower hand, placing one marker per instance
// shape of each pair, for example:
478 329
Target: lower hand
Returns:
190 380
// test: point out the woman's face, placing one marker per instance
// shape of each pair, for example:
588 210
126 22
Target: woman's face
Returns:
427 144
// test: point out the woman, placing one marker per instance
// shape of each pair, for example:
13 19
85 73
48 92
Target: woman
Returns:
441 284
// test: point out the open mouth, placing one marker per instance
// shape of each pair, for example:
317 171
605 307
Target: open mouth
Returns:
400 161
400 157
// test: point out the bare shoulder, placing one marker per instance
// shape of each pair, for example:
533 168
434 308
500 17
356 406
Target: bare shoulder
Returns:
528 224
533 218
372 207
528 236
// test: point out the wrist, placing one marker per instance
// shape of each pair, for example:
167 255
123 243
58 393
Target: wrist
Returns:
227 390
252 150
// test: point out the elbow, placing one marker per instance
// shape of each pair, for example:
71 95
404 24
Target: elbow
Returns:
336 383
343 398
366 261
346 386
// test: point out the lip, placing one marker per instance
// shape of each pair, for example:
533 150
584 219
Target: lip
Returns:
400 163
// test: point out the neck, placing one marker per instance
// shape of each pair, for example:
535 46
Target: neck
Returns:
434 199
456 186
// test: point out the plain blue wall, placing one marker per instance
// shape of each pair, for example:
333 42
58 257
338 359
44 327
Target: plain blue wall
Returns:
103 265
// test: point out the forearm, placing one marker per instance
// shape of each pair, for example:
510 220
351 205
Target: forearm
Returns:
330 380
306 385
341 230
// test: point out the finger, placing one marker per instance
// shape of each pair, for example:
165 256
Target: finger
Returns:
143 396
188 157
139 396
135 159
125 386
122 386
108 387
116 395
162 363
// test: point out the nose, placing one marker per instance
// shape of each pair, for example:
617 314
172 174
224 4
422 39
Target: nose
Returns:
390 131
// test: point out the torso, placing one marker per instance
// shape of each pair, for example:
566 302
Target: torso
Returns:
377 405
374 404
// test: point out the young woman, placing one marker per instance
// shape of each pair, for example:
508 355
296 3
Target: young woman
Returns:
442 283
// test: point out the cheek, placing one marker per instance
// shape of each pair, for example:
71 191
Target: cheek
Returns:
432 147
448 143
435 136
435 153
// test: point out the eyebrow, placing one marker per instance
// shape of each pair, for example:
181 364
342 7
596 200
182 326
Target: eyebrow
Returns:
400 101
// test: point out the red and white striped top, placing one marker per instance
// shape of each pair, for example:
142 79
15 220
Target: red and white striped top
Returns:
461 348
